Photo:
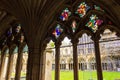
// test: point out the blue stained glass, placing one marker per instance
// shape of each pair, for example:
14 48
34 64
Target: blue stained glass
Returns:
9 33
58 30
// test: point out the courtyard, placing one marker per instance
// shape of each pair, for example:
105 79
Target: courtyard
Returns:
91 75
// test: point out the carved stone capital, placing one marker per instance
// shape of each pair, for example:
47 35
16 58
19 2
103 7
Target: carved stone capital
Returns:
74 41
96 38
57 44
118 34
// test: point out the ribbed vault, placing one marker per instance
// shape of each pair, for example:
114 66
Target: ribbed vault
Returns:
36 17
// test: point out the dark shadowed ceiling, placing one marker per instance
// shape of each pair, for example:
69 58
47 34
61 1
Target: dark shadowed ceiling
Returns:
37 15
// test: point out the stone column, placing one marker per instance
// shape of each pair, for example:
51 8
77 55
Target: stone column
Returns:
5 67
3 57
98 59
75 59
34 64
42 65
88 66
19 64
0 57
114 66
48 65
67 66
57 61
10 64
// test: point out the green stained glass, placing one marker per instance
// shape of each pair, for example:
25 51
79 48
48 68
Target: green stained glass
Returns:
98 8
94 22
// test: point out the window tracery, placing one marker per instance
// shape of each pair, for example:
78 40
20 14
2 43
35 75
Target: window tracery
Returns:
58 30
94 22
82 9
73 25
65 14
98 8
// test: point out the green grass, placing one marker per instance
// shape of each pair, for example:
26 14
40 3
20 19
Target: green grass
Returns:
86 75
23 74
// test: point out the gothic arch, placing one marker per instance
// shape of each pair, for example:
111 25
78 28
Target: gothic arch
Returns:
39 14
112 28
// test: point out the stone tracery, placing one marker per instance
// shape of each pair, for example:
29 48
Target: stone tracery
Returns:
72 34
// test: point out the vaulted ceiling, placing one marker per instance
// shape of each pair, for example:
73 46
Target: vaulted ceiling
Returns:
37 15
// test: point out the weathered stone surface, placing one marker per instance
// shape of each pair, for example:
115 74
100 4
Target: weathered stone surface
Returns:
48 65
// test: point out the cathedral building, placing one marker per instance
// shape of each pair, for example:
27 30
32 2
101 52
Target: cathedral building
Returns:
109 48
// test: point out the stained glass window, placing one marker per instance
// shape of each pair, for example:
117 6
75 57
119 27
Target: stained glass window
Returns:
65 14
82 9
98 8
18 28
74 24
94 22
9 33
58 30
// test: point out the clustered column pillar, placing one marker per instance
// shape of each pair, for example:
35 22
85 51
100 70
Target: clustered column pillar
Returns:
42 64
19 64
57 61
48 64
34 64
10 63
75 59
3 56
98 59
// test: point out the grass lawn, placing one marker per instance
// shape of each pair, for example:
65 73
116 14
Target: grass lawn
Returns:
23 74
87 75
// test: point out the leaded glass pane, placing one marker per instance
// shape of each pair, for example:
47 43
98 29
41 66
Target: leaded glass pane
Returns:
18 28
9 32
65 14
94 22
58 30
82 9
74 24
98 8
